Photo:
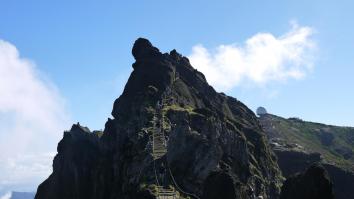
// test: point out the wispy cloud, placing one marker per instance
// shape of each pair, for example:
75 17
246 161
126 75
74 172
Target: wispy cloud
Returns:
263 58
32 119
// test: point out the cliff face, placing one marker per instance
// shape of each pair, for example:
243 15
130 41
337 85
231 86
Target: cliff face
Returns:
299 144
172 133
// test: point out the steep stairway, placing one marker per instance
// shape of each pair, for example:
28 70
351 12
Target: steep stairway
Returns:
159 145
159 149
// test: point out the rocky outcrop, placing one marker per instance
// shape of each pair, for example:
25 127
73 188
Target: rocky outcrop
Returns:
215 145
74 166
292 161
343 181
314 183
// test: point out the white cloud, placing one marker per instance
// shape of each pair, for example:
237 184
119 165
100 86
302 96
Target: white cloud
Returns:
262 59
32 120
6 196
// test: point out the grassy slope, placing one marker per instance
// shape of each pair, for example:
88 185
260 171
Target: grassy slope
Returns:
312 135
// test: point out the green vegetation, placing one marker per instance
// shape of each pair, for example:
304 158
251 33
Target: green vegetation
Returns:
150 110
176 107
335 144
153 188
98 133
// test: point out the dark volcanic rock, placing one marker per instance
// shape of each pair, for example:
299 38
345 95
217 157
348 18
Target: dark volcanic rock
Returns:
215 146
342 181
312 184
291 162
221 184
73 166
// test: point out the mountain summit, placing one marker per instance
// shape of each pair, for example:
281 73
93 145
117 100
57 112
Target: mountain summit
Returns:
172 136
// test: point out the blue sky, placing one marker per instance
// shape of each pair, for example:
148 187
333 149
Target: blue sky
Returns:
82 50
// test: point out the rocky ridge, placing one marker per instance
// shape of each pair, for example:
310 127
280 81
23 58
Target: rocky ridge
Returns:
215 147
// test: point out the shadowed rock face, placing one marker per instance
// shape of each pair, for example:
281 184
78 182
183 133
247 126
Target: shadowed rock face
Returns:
291 161
216 148
220 184
312 184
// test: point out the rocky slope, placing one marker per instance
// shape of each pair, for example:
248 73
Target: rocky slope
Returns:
298 144
215 145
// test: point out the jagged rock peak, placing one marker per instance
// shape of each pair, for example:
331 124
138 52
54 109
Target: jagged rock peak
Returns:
78 127
155 72
144 49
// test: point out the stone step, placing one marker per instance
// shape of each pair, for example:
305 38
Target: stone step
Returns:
159 152
159 149
162 140
159 146
157 156
166 192
159 136
167 196
169 193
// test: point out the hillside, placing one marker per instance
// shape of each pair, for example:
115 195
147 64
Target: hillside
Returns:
334 143
299 143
